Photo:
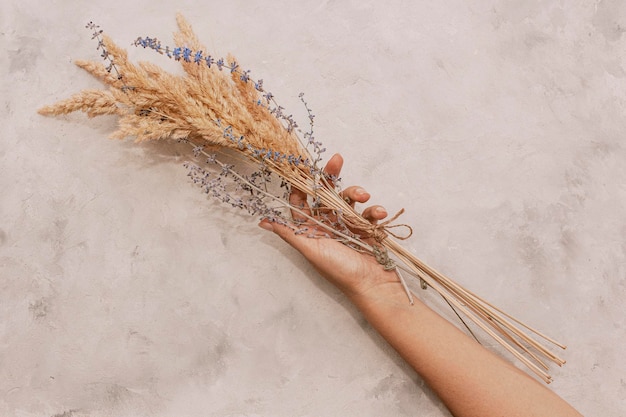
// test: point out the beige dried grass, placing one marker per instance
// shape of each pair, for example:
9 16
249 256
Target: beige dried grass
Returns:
153 104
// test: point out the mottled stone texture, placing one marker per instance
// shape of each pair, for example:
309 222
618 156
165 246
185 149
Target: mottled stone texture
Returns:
498 125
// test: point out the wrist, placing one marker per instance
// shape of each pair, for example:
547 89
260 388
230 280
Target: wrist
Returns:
388 291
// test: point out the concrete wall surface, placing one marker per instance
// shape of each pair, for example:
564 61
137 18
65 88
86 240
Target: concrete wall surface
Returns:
498 125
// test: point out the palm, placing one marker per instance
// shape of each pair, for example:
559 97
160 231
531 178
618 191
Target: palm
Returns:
348 269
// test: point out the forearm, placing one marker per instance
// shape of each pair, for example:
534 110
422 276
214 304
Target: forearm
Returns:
469 379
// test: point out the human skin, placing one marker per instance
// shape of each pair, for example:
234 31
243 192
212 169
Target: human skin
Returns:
470 380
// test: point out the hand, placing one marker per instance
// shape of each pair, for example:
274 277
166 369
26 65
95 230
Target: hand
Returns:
356 274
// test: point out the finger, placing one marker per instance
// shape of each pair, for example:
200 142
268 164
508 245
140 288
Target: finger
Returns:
375 213
333 168
355 194
298 200
298 241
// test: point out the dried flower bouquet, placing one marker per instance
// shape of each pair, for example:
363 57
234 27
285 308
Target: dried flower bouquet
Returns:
220 111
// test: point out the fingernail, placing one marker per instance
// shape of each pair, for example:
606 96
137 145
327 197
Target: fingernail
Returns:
264 224
381 211
360 191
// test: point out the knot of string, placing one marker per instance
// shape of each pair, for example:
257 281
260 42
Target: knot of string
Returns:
381 230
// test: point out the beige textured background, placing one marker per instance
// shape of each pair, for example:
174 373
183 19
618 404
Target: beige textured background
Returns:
498 125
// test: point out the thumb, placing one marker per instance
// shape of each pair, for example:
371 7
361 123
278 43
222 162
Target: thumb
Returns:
285 232
281 230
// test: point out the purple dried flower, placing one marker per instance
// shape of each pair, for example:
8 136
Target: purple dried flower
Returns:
197 150
187 54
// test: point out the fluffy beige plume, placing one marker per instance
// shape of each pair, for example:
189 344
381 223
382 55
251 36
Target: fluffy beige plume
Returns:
154 104
92 102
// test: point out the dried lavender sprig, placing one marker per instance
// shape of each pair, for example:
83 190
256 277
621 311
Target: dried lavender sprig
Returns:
252 201
188 55
97 34
309 136
198 57
265 154
251 184
106 56
216 187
